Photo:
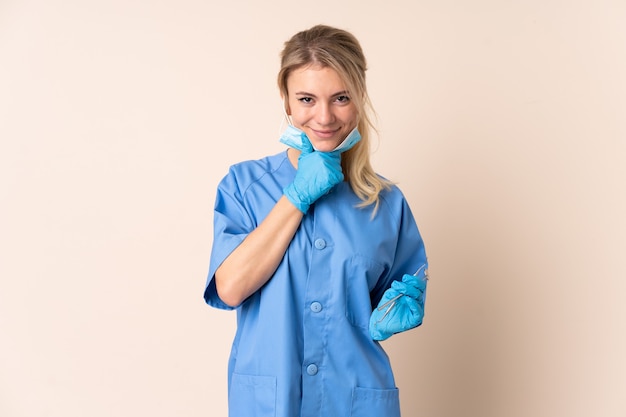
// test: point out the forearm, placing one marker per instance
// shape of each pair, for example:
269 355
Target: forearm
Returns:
254 261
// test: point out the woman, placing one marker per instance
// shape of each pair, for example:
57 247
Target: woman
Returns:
315 251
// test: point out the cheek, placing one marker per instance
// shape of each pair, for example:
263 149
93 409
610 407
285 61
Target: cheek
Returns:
349 114
350 119
299 116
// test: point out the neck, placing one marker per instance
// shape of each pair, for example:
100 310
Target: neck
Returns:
293 155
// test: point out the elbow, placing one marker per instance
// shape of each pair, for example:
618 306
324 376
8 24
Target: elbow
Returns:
227 292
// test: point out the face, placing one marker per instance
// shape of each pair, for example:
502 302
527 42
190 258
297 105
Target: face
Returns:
320 105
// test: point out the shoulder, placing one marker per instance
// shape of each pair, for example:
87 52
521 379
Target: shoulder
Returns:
393 201
260 166
392 194
246 173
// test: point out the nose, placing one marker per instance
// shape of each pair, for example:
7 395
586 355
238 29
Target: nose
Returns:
325 115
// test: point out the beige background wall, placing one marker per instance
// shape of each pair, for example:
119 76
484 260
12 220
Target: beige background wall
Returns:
502 121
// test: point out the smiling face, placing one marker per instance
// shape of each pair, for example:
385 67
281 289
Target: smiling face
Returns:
320 106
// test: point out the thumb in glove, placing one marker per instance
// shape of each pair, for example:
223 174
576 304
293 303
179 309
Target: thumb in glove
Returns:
318 172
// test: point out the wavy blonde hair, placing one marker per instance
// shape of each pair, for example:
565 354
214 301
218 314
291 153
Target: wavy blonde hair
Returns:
340 50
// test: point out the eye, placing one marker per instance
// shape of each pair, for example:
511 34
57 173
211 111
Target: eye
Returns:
305 100
343 99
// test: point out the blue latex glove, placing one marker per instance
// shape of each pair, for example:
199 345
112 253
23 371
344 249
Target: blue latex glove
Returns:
318 172
401 307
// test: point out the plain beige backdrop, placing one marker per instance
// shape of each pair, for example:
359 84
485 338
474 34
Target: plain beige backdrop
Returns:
504 122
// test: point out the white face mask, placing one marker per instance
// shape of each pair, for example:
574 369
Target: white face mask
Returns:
294 138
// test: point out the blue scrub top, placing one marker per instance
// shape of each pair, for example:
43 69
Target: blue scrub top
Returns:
302 346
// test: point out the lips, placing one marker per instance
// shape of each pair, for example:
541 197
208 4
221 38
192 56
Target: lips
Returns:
325 134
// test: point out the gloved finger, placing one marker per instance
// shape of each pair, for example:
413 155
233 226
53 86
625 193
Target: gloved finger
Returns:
415 281
388 296
331 158
334 154
412 312
328 171
410 286
307 147
409 314
407 289
405 314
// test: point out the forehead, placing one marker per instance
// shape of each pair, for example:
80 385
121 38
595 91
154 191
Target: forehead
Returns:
315 79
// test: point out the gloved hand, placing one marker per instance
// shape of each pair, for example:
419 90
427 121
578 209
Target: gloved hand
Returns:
401 307
318 172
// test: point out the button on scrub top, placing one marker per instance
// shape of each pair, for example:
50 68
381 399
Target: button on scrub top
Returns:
302 346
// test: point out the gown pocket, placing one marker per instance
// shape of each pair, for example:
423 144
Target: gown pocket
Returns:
368 402
362 276
252 396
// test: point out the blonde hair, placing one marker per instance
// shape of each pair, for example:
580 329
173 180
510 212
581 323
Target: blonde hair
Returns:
340 50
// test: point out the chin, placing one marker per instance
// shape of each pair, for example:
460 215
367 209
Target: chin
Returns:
325 148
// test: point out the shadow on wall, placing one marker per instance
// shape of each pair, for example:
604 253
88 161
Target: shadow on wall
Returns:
470 349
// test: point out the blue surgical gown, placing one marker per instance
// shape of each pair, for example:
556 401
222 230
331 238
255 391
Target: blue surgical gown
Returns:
302 346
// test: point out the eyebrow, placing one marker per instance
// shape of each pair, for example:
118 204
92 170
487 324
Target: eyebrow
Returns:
304 93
